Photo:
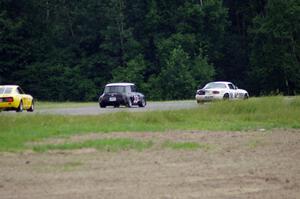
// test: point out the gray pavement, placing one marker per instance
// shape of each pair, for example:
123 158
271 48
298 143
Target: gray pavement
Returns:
96 110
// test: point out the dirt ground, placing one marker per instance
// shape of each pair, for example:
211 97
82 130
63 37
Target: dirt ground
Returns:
261 164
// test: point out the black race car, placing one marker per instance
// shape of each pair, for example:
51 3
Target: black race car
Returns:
116 94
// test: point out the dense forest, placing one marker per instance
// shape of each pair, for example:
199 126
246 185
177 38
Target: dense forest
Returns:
69 49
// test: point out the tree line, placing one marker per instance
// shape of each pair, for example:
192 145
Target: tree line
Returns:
69 49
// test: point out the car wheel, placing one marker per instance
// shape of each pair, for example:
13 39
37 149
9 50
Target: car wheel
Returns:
31 109
142 103
20 108
129 103
246 96
226 96
102 105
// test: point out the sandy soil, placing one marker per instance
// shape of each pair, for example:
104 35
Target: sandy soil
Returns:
258 164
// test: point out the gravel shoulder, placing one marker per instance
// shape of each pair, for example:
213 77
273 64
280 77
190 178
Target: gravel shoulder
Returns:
239 165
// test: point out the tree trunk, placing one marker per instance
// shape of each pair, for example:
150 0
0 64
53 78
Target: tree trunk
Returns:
201 2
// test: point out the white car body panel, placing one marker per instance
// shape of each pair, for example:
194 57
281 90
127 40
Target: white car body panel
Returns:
218 91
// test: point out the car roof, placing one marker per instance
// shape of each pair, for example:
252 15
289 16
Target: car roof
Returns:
223 82
13 86
120 84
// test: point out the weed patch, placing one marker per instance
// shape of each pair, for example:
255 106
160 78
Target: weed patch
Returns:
113 145
186 145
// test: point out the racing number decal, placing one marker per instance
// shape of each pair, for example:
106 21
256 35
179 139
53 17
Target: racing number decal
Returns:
135 99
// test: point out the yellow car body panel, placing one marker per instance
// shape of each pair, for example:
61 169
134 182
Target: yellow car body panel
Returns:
14 92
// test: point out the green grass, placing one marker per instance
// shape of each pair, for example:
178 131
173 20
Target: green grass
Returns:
266 112
186 145
113 145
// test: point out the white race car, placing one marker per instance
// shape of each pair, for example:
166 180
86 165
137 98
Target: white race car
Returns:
220 90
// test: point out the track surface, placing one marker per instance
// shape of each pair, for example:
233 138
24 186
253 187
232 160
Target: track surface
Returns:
96 110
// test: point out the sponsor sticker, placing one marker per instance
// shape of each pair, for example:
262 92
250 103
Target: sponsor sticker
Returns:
112 99
135 99
208 97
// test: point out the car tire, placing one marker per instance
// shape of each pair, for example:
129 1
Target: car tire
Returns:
142 103
129 103
20 108
246 96
226 96
31 109
102 105
200 102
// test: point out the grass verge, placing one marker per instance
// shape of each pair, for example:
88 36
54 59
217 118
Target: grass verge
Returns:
266 112
113 145
186 145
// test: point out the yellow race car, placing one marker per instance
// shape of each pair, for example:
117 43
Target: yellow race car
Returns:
12 97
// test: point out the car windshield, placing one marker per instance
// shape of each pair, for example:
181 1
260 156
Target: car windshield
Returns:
5 90
114 89
215 85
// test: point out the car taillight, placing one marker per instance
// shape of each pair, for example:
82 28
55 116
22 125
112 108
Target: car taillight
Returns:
8 99
216 92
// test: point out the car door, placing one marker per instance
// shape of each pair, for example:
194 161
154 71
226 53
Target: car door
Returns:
238 93
25 98
233 94
134 94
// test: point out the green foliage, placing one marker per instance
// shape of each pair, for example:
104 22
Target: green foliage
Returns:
201 70
132 72
68 50
176 76
275 54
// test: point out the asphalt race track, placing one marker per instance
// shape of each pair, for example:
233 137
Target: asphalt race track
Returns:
96 110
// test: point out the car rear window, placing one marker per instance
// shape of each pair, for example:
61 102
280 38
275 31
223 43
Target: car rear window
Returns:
114 89
215 85
5 90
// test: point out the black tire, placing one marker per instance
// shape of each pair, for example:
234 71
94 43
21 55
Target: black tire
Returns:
226 96
102 105
246 96
142 103
129 103
200 102
31 109
20 108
